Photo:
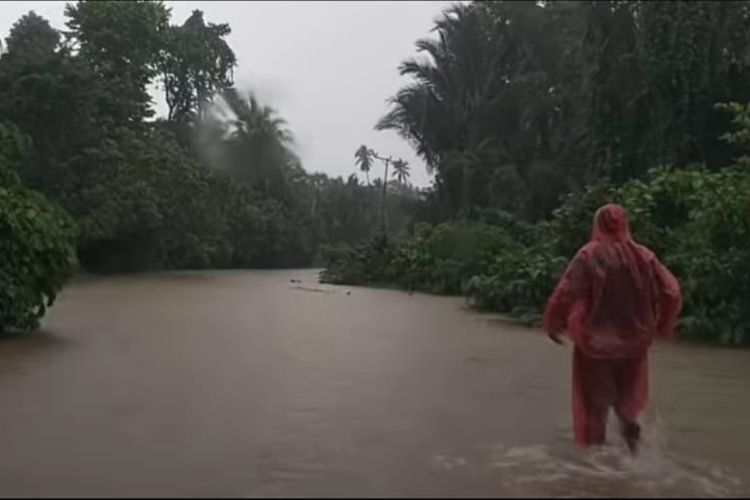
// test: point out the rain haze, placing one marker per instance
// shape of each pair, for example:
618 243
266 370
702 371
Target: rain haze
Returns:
217 279
327 67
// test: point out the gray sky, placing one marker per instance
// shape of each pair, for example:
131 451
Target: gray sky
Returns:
327 67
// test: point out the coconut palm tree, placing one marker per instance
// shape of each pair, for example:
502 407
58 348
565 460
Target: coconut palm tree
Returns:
260 145
481 92
363 157
401 170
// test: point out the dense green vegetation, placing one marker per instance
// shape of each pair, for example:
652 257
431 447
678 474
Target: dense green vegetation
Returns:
533 115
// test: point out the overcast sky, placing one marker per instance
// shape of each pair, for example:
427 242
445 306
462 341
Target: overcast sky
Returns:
327 67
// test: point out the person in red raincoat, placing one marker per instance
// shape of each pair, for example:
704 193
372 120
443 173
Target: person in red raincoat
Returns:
613 300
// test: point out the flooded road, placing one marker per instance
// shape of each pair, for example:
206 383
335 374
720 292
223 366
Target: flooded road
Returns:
244 384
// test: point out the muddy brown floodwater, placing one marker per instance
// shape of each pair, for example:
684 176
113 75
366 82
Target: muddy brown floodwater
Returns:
245 384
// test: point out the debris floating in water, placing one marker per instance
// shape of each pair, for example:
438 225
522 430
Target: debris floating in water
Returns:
311 289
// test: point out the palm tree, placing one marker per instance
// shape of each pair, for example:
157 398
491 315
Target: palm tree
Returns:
481 89
260 143
363 157
401 170
451 87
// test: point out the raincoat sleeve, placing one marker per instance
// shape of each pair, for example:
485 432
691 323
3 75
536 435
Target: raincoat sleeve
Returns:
669 297
574 285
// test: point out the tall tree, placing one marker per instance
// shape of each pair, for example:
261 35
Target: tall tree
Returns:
31 38
195 63
483 98
401 170
363 158
257 145
39 80
122 42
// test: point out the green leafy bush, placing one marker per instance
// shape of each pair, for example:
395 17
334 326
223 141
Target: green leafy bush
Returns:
517 283
437 259
711 255
37 244
368 263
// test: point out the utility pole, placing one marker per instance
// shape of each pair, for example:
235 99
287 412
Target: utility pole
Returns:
387 161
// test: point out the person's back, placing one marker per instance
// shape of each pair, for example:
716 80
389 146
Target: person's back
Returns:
621 318
613 300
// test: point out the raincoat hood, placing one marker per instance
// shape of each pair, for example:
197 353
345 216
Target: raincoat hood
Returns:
611 224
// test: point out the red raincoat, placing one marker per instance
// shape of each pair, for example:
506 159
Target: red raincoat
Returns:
614 299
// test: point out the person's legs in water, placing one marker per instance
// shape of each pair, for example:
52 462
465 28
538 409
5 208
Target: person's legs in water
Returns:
632 393
631 433
593 395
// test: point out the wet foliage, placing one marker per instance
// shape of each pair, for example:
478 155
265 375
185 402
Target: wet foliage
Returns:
37 242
